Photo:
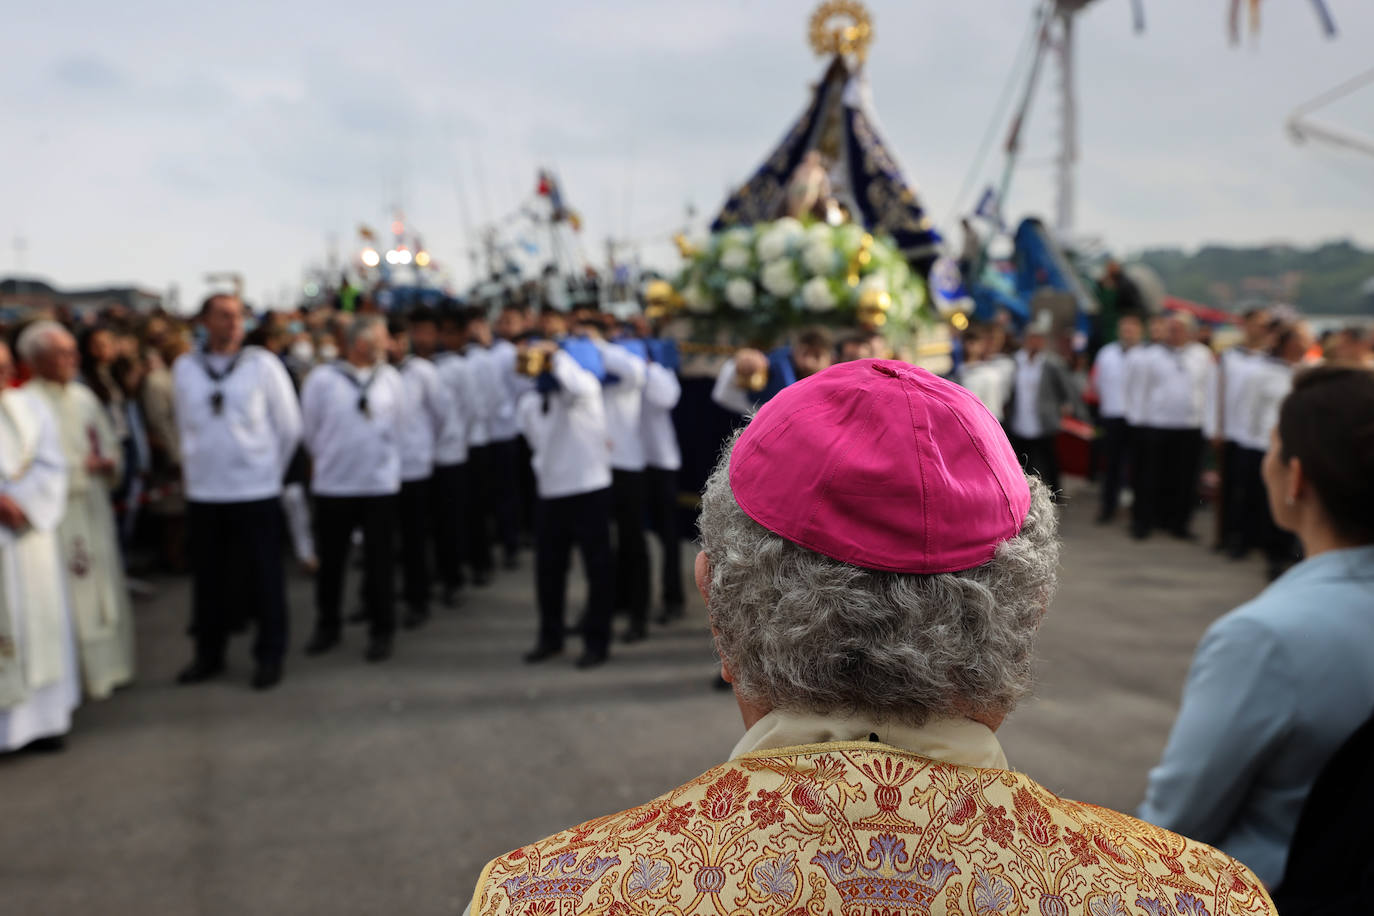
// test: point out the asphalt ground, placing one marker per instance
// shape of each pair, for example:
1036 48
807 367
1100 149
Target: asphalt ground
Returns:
368 789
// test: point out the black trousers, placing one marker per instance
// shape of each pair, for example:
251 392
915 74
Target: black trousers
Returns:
505 494
477 532
1142 452
631 547
1038 456
560 523
449 495
1256 518
414 507
335 519
1115 446
1232 499
525 485
662 505
1176 458
236 561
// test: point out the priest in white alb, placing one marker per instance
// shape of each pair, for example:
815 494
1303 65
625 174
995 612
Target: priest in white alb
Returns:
39 680
90 548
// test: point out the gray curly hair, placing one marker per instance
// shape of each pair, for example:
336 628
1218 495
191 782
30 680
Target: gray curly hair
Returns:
806 633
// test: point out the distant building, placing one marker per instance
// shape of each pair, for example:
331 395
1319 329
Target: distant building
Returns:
22 295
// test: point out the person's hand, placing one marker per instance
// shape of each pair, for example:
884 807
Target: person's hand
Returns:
11 516
750 362
95 464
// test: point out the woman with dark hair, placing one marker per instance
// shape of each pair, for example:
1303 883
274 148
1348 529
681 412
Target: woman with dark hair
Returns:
1280 683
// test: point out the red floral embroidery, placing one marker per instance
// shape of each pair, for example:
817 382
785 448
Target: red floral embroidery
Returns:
808 797
726 796
1034 819
646 818
1080 844
767 808
997 827
1107 847
675 819
961 807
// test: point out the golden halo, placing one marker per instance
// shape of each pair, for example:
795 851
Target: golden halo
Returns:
851 39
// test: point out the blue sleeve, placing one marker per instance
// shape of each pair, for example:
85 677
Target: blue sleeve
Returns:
1238 706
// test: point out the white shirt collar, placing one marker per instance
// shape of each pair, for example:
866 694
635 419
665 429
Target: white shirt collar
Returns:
958 741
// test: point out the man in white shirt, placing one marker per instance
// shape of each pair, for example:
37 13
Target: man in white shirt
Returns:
623 394
565 423
429 414
1233 371
1177 382
663 459
1109 378
1041 393
504 449
454 535
239 425
353 413
985 374
486 390
1139 435
449 484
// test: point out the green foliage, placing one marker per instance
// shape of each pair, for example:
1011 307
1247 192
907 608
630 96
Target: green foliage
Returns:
1327 279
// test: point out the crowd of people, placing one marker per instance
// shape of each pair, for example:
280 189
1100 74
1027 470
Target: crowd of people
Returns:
439 442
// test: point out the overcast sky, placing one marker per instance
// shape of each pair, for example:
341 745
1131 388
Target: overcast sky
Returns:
153 142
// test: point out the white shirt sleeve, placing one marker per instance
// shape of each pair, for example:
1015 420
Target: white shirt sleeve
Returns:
730 395
283 409
662 388
312 407
621 362
576 381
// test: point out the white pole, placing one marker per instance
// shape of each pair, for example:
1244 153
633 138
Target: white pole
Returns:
1068 127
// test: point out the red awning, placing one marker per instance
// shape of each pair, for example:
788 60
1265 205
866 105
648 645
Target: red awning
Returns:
1200 312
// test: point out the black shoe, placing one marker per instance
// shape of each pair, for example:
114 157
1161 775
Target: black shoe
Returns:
359 616
321 643
451 598
670 613
413 620
512 562
266 676
1140 534
1183 534
637 632
378 649
53 744
199 671
540 653
482 578
590 659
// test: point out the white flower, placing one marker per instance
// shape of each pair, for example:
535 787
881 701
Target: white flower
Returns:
696 300
779 278
739 292
816 295
772 245
790 228
734 258
820 232
819 257
872 281
738 237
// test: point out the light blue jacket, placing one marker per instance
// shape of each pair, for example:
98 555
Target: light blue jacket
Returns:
1276 686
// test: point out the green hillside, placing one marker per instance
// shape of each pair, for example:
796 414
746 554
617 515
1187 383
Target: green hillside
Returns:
1333 278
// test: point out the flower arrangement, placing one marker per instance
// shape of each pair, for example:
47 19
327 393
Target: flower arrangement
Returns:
765 279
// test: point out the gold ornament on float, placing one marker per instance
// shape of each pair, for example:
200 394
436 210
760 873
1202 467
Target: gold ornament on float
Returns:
660 300
848 40
874 304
